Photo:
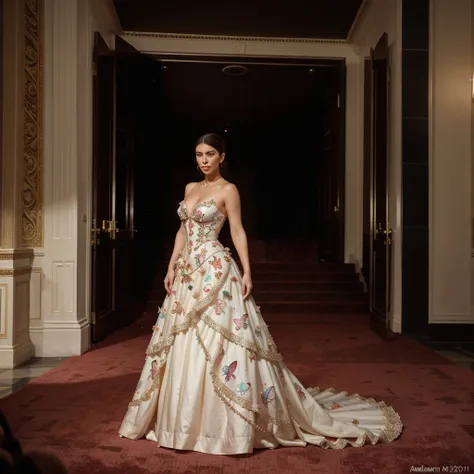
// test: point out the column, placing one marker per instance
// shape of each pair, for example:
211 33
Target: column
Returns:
68 125
20 181
450 313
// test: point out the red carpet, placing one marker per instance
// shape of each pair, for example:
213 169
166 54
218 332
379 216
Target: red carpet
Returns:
76 409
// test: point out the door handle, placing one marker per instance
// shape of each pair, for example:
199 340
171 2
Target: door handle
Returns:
387 232
106 226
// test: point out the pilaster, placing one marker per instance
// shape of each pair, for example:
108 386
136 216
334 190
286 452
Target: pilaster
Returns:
20 163
66 330
450 166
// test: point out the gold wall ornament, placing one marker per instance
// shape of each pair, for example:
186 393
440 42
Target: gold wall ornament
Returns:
13 272
32 190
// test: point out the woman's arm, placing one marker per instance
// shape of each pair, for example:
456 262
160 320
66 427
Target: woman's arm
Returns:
237 232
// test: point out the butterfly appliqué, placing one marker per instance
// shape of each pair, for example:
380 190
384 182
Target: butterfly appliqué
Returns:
268 394
228 371
243 388
219 306
241 323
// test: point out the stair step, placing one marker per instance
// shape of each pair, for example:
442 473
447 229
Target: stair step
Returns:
291 307
303 276
307 285
304 267
320 296
311 318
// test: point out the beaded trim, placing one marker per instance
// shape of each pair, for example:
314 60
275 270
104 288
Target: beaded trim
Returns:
392 431
188 318
251 346
226 394
145 396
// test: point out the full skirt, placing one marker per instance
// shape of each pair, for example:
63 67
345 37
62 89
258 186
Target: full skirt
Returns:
214 382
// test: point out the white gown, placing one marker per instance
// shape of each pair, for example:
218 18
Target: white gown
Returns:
213 379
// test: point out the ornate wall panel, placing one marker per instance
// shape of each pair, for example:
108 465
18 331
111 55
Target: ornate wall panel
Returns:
32 189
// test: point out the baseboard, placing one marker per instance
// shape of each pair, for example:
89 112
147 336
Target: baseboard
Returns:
36 336
65 338
11 357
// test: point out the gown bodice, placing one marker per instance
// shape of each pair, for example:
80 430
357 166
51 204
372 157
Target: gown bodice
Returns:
202 224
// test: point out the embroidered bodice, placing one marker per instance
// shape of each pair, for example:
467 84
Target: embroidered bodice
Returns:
203 223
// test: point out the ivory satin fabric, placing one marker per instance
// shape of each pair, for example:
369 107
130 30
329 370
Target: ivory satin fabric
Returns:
213 380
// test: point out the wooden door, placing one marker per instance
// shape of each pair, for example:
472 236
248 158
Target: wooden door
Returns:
331 180
381 242
123 192
367 183
103 245
138 107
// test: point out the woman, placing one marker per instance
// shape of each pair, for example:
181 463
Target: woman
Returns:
213 379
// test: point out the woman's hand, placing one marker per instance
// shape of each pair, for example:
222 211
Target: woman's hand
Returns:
246 285
168 281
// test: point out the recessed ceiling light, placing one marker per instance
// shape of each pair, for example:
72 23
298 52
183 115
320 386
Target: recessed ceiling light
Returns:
235 70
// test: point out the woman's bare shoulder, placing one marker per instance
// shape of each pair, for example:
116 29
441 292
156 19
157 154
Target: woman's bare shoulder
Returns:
189 187
230 187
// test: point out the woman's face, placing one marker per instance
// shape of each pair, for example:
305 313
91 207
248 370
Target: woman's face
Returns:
208 159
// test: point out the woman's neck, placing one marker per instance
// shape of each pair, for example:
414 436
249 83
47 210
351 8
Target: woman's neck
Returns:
210 180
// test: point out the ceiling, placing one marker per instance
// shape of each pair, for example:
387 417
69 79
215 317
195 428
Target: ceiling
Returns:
323 19
194 90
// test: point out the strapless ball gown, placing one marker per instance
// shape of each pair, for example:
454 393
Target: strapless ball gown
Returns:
213 380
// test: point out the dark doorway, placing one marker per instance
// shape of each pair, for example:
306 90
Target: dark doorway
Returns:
283 121
284 127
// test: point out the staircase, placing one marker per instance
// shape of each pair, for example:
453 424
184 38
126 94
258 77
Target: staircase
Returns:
284 287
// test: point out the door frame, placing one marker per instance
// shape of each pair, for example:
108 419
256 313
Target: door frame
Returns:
339 63
381 324
276 48
241 49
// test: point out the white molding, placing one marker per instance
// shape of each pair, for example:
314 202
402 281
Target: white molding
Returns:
13 356
65 338
60 325
448 318
247 46
238 38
